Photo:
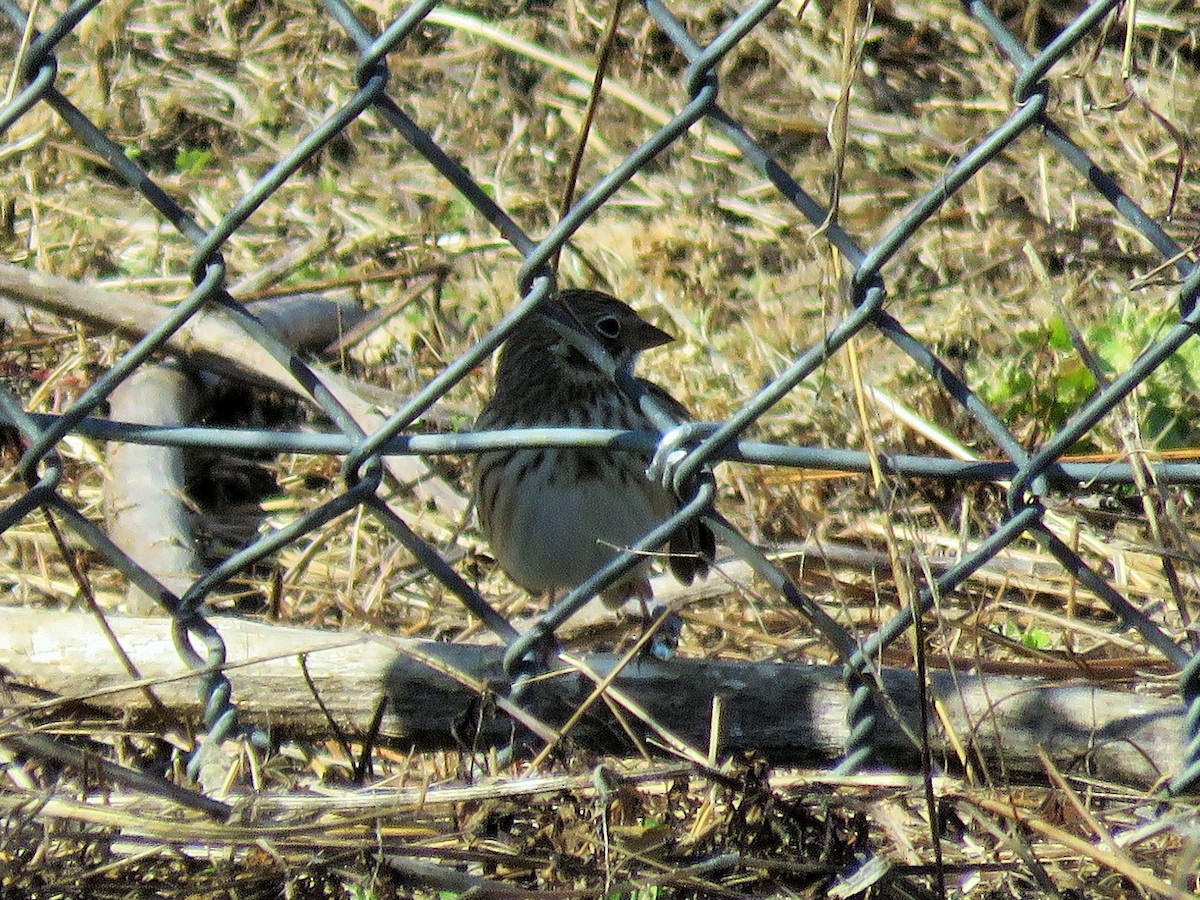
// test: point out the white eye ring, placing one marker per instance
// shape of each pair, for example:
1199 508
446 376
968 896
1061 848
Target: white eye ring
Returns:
609 327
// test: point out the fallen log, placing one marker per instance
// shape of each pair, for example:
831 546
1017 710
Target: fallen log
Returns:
438 696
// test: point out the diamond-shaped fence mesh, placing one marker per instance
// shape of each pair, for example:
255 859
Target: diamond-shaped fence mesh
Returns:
719 78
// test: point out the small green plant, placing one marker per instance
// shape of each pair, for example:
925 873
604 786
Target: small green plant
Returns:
1032 637
313 271
1046 380
193 160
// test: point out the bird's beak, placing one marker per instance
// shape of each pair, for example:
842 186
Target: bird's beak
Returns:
643 336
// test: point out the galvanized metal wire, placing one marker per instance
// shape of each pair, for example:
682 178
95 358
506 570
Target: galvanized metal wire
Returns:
684 456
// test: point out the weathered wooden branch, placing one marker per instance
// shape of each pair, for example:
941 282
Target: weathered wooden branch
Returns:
145 502
146 507
307 322
787 713
213 340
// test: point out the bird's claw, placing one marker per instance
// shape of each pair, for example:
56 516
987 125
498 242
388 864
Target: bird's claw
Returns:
673 448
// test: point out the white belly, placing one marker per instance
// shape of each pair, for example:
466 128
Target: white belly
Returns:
561 531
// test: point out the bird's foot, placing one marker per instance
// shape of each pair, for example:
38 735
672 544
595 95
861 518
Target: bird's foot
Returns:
673 448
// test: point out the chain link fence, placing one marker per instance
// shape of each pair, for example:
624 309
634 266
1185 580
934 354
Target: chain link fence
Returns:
685 455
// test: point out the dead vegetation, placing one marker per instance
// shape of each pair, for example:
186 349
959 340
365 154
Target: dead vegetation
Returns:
208 96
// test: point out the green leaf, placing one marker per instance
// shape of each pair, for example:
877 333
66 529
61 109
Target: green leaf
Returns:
1036 638
193 160
1059 337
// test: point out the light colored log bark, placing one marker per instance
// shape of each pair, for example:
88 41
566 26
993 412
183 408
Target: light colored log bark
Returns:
145 486
786 712
308 322
211 340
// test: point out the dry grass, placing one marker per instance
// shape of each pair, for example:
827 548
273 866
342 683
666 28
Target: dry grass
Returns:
208 96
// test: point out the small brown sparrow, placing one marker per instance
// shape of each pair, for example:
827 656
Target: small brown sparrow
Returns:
554 517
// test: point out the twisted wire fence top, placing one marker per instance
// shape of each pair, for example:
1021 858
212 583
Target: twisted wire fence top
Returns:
985 256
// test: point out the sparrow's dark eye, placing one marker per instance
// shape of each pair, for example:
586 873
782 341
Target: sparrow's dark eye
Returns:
609 327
